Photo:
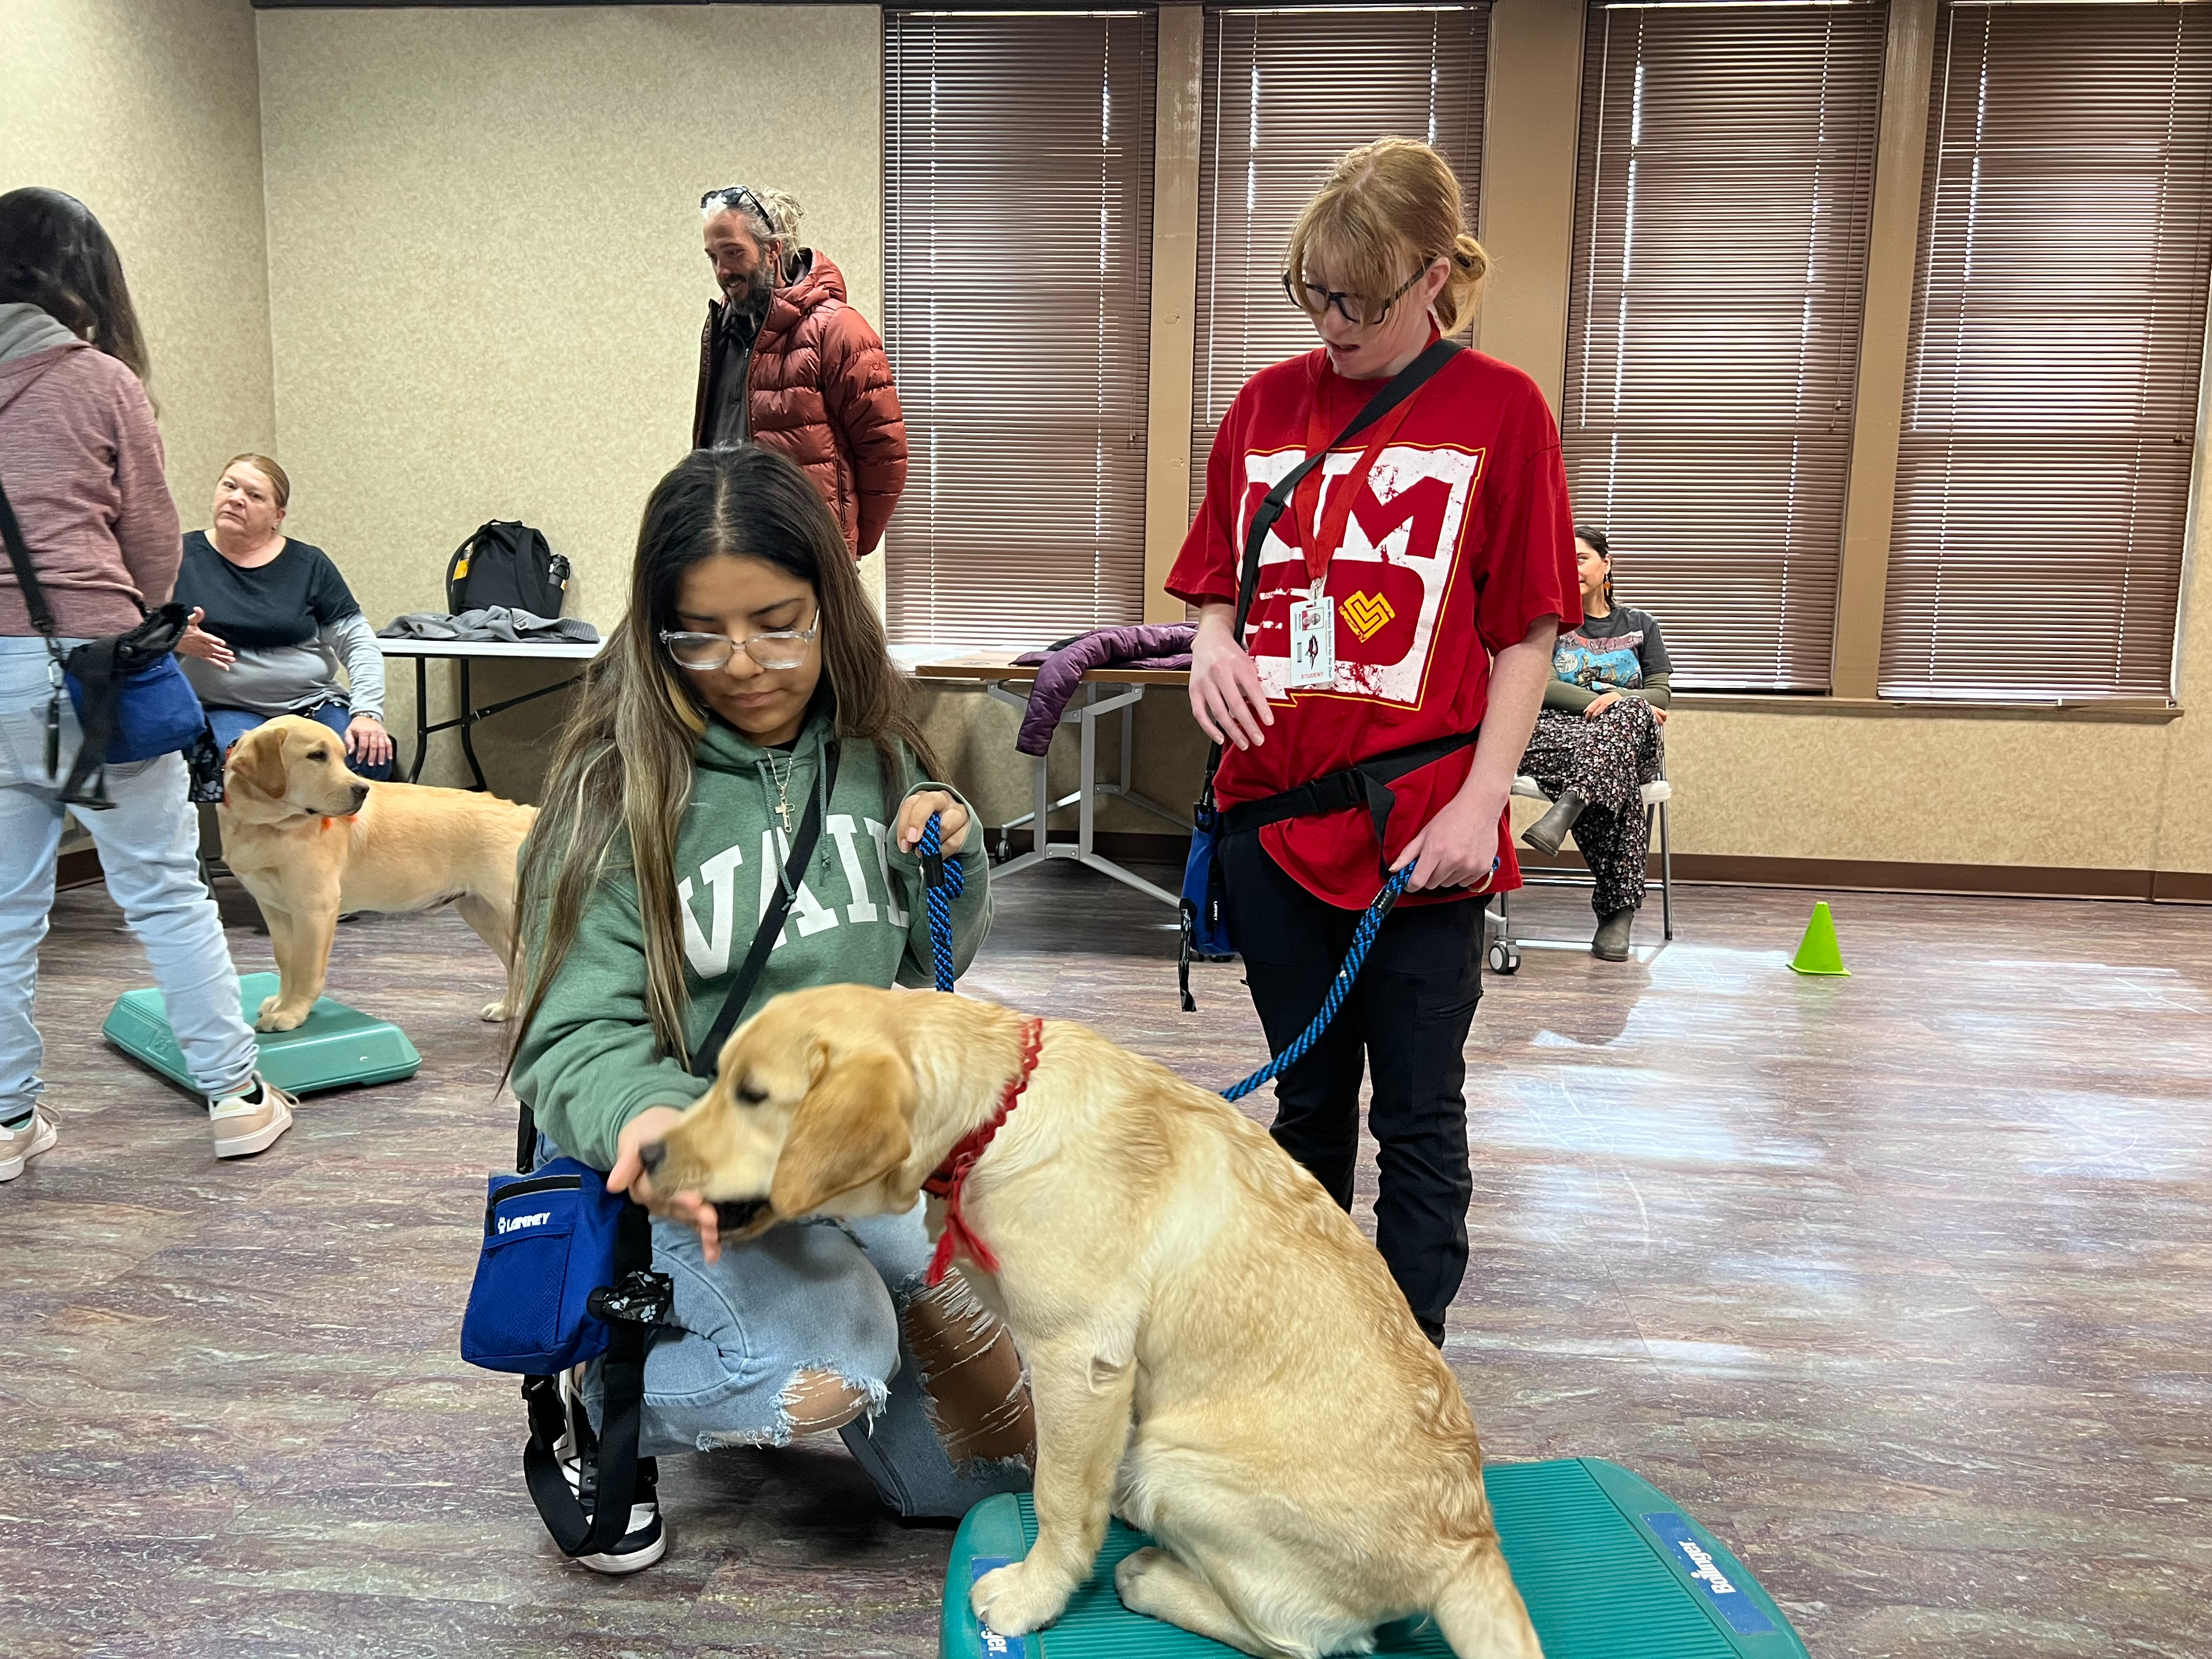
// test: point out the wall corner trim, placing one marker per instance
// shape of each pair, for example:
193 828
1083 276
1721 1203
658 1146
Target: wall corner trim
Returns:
1167 457
1885 346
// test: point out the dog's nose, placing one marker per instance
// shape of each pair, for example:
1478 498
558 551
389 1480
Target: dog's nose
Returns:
360 794
650 1155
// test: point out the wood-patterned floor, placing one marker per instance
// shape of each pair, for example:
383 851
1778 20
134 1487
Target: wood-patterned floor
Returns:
1899 1282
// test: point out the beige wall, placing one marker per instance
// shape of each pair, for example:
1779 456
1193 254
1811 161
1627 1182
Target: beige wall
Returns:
1529 122
147 111
486 288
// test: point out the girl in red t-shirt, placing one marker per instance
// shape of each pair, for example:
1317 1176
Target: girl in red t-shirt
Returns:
1410 593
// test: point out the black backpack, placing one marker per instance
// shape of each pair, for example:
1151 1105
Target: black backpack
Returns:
506 563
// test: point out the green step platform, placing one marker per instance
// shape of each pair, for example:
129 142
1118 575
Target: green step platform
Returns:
1610 1566
335 1048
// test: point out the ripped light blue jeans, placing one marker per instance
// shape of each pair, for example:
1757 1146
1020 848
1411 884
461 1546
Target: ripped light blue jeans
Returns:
148 845
822 1296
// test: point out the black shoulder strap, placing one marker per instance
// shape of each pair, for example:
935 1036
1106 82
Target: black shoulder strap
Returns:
794 871
87 783
26 575
593 1520
1401 385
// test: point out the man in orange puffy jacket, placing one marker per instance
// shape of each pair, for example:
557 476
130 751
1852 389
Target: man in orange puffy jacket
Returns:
786 364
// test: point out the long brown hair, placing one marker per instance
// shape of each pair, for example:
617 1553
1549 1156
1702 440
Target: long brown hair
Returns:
1386 209
625 758
55 255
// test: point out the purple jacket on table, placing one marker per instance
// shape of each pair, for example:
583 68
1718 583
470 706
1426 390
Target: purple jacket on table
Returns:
1140 645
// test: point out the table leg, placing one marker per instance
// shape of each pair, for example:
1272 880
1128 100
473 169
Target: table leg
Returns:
1084 848
1086 809
468 722
422 717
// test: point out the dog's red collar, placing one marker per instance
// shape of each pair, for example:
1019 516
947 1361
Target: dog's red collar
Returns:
950 1177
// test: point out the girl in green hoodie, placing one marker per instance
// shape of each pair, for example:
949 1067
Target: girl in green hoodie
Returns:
748 656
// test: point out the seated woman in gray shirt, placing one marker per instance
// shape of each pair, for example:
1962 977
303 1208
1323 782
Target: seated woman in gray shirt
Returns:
1597 743
273 619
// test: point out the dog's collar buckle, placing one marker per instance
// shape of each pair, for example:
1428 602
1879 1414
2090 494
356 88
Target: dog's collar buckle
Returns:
950 1178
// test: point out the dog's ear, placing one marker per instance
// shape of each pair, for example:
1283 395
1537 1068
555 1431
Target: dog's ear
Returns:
851 1128
256 761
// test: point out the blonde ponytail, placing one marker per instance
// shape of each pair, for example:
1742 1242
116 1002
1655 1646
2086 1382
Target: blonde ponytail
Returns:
1469 266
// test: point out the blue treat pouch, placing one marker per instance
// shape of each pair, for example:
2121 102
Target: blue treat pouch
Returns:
549 1242
156 713
1204 917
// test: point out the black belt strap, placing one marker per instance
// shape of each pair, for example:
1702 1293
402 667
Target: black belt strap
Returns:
1365 785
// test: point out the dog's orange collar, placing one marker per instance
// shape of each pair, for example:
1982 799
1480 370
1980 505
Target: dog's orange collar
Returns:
950 1178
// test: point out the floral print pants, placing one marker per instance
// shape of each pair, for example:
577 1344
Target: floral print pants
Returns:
1605 761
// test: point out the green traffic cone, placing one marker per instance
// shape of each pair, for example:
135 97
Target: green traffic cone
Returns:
1818 951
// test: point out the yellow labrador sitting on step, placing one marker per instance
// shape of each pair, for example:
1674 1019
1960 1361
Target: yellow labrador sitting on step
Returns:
312 841
1217 1355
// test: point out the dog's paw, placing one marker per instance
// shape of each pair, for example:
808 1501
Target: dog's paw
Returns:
1017 1600
495 1011
1130 1575
273 1017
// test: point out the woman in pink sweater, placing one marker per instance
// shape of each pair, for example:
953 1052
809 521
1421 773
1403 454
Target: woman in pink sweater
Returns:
80 466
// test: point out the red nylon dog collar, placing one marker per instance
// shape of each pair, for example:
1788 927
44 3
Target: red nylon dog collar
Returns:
950 1177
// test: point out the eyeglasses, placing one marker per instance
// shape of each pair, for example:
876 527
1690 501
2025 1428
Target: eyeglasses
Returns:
731 197
1313 299
703 652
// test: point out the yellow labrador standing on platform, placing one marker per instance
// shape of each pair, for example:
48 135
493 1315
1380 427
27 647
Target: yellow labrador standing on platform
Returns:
1216 1354
312 841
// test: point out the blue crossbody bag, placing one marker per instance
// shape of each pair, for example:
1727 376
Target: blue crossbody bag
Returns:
132 701
551 1243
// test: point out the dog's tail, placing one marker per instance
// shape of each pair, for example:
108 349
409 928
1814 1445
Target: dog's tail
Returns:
1481 1612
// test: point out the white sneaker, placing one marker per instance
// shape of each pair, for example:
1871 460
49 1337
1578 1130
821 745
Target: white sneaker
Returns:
250 1121
20 1144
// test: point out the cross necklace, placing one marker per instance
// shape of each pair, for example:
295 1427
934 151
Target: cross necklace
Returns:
782 792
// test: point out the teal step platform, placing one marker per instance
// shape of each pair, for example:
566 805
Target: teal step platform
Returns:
1610 1566
336 1047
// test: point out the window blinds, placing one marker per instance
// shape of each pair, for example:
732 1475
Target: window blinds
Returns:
2057 342
1284 93
1722 200
1017 186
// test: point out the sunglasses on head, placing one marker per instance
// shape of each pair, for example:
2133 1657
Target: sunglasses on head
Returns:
732 197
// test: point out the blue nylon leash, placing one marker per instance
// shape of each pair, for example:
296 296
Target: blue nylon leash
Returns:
1363 940
941 884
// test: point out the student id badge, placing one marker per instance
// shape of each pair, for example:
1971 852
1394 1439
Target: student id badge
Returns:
1313 642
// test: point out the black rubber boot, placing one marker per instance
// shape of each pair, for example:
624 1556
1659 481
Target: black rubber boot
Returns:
1610 943
1548 831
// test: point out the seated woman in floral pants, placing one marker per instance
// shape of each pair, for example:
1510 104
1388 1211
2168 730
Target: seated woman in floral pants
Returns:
1597 743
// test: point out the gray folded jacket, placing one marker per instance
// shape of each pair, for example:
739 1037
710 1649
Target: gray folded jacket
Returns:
494 622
